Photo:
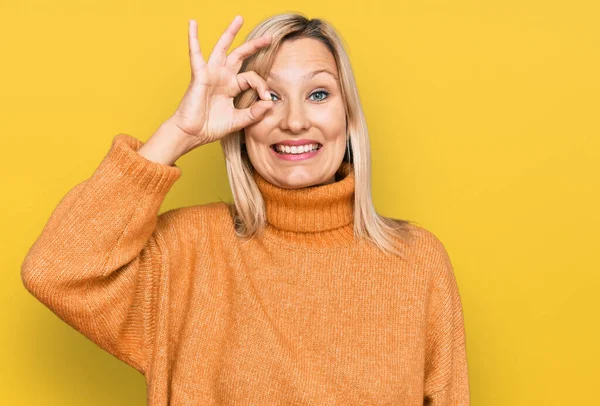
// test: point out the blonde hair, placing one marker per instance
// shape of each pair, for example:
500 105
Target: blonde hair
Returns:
248 209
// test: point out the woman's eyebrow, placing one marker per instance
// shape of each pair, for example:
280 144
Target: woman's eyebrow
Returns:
307 76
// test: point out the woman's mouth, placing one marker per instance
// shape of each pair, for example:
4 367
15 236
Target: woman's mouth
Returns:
295 153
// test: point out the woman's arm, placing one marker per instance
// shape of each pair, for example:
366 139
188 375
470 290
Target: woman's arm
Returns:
446 368
98 259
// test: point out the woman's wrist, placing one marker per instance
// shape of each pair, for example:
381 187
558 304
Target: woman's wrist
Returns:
166 145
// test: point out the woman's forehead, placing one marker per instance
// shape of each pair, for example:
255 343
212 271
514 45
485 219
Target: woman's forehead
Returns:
305 52
297 73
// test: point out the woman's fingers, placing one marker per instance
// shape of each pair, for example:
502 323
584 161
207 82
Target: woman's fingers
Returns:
248 79
244 117
219 53
196 58
237 56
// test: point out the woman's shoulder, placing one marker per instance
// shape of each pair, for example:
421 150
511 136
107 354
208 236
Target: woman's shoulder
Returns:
420 242
424 236
212 209
430 252
189 220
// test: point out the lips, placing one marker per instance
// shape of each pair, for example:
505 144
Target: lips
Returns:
296 156
296 143
295 150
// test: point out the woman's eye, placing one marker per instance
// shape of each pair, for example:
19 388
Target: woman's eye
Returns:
324 92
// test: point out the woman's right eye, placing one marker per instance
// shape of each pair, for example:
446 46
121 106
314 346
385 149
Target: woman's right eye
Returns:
257 97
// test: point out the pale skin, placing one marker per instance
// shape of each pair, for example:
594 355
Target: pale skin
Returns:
288 108
310 109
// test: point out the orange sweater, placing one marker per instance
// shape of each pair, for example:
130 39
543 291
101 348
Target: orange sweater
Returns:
301 315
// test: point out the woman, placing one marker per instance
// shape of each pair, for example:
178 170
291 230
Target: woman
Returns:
299 292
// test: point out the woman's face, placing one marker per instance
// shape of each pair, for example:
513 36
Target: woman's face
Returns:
308 109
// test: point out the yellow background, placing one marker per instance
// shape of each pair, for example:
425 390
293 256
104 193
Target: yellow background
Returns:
484 122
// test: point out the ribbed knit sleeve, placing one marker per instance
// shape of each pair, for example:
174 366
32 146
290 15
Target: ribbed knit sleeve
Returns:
446 369
98 260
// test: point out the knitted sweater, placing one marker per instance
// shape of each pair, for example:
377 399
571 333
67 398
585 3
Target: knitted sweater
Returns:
303 314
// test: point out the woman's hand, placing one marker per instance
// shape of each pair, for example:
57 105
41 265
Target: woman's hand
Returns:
207 113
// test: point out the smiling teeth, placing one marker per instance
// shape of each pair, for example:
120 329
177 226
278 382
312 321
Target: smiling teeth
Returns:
286 149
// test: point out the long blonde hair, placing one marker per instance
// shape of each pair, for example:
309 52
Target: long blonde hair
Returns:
248 210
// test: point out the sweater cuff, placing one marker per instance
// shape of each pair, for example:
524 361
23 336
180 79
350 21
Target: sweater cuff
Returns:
123 160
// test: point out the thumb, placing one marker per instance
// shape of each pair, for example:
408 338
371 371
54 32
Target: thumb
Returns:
250 115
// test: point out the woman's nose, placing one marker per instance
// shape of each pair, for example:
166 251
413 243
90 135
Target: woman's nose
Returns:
294 117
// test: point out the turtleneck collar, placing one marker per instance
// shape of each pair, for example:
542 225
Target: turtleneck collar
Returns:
315 217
